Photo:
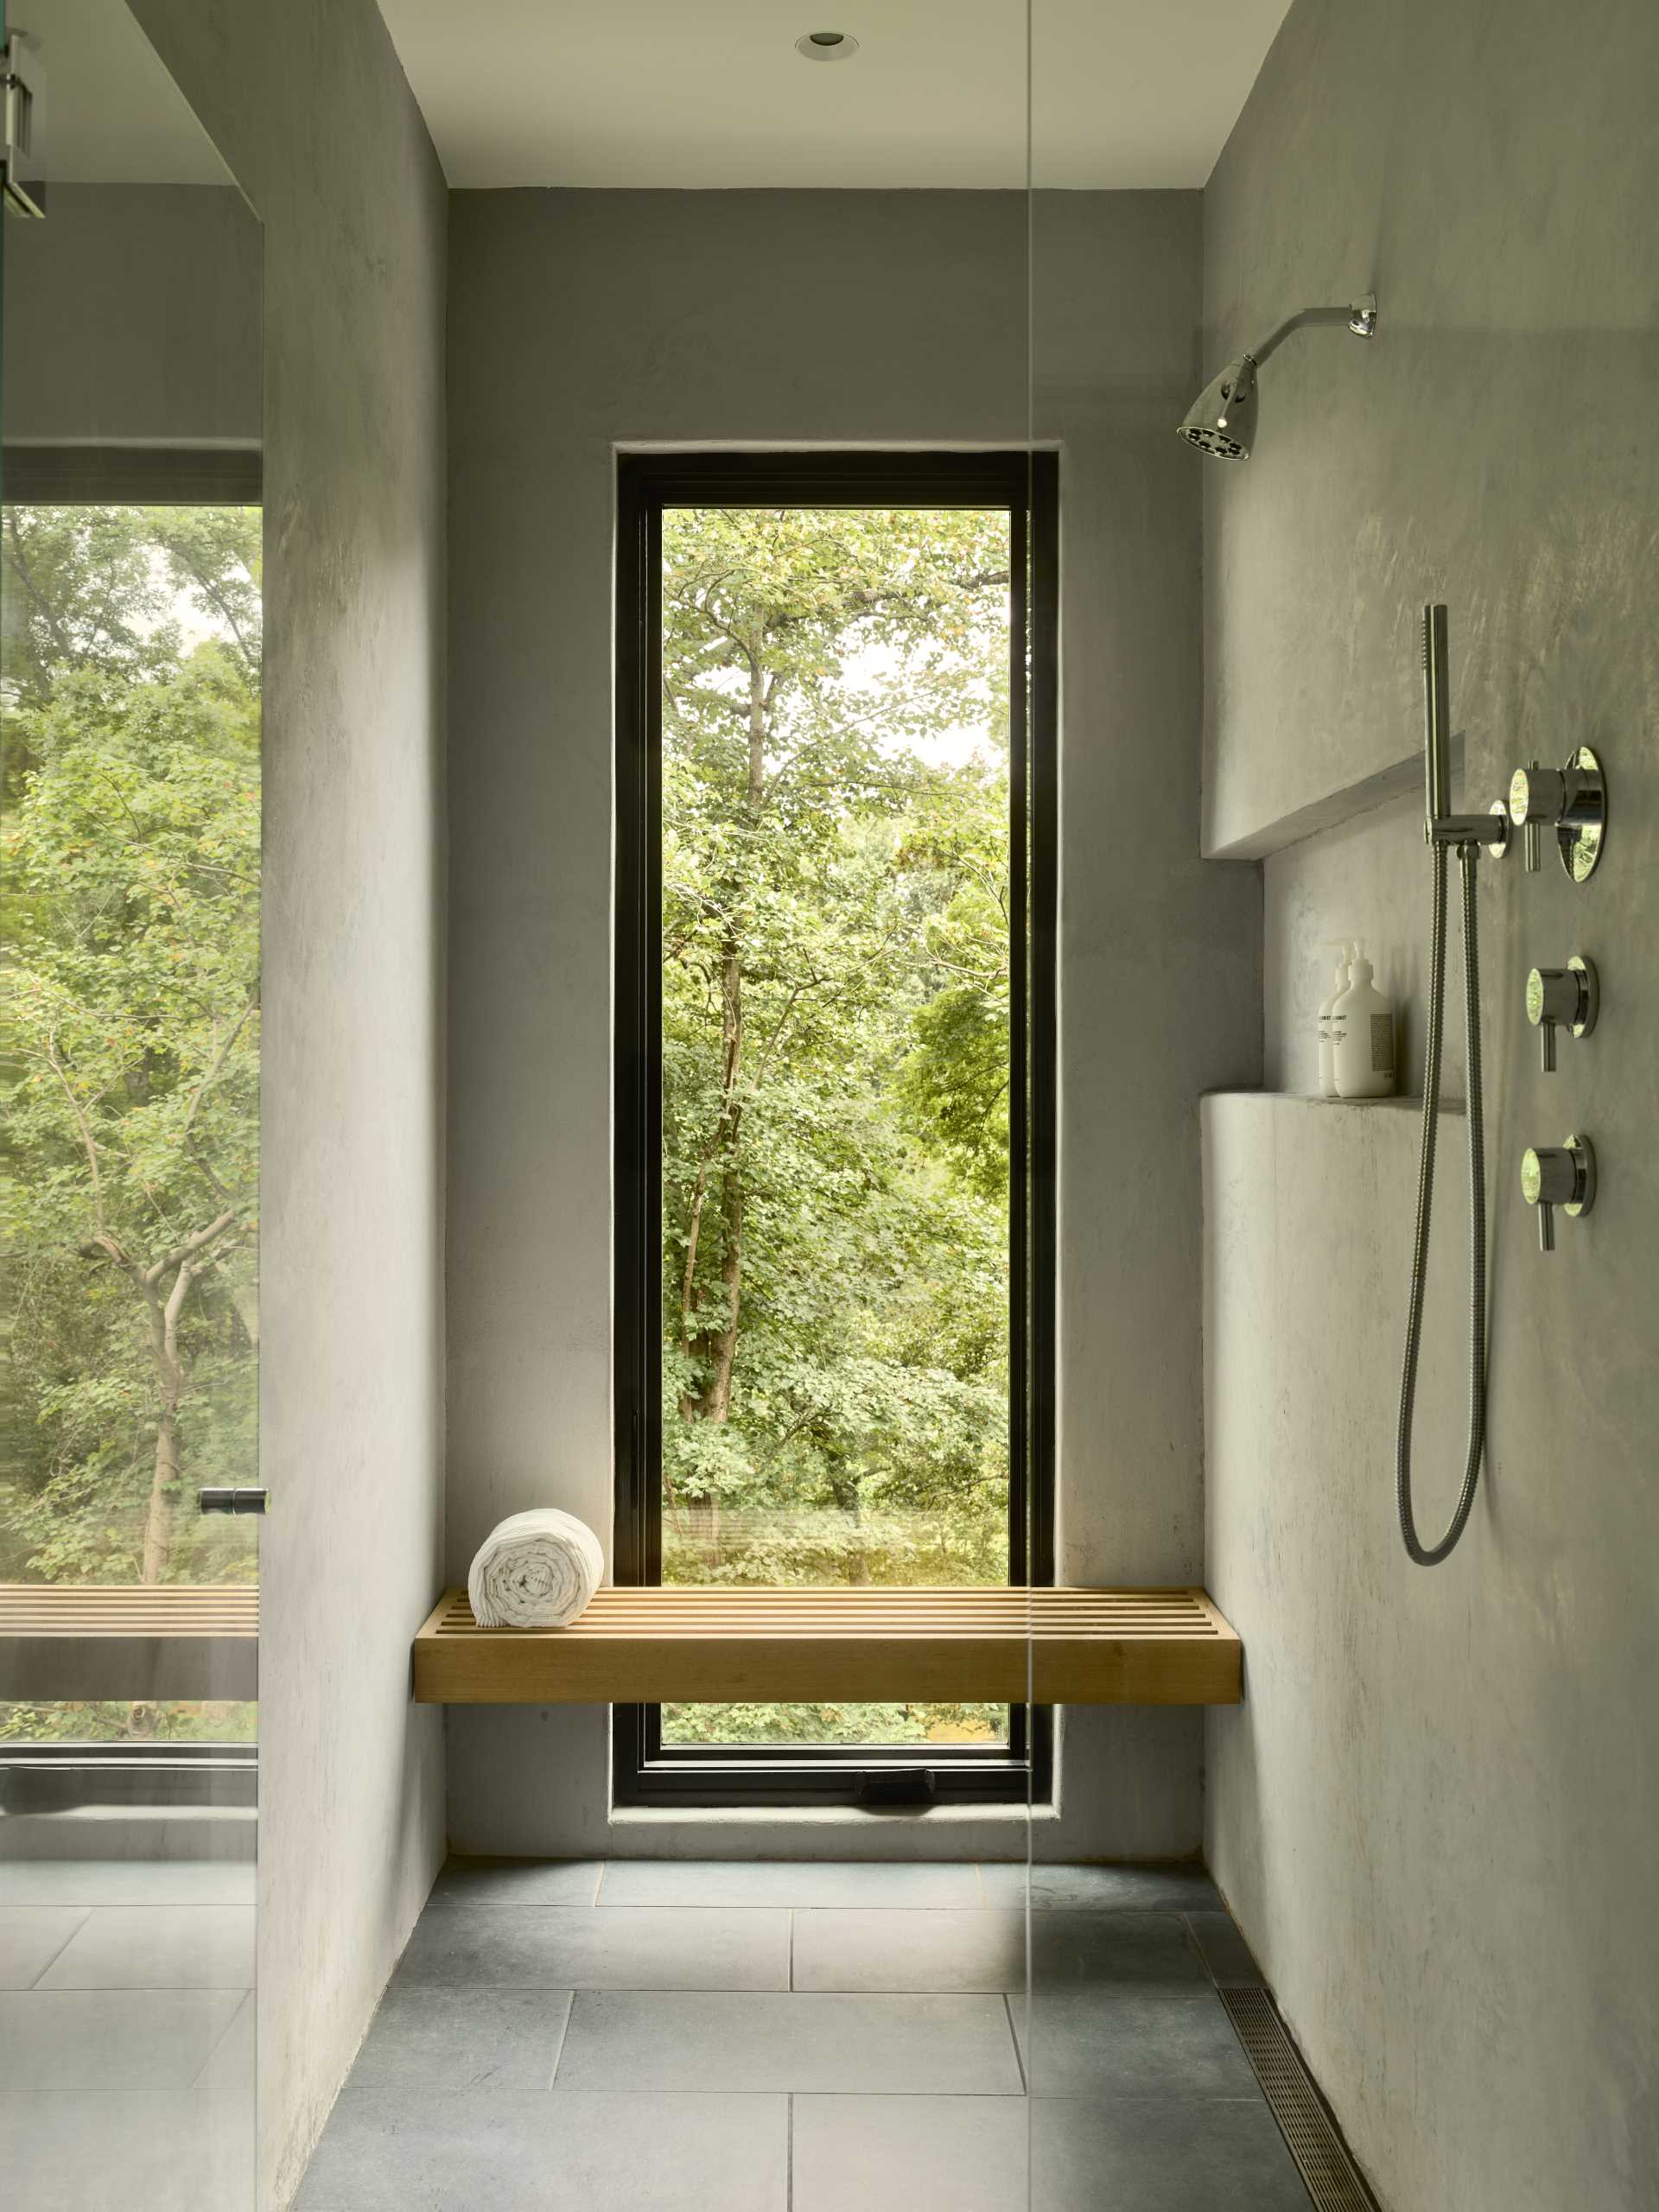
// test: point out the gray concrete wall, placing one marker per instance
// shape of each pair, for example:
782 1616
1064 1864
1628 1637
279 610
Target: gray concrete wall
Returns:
171 274
310 110
581 320
1429 1811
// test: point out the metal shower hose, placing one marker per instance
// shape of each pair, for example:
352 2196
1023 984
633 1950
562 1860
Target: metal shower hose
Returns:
1430 1556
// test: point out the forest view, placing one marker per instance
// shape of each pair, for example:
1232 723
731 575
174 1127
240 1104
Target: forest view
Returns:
837 940
130 1153
835 983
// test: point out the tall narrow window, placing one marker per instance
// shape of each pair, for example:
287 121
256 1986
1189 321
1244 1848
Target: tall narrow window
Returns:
833 1185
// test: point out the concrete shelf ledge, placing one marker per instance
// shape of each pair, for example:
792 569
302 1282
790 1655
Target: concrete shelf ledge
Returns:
1401 1102
1328 808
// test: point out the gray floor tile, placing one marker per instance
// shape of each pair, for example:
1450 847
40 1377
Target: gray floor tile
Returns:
892 2045
1157 2154
941 1953
75 2151
777 1882
229 2075
125 1881
901 2154
158 1947
1073 1950
463 2039
498 2151
516 1881
946 1952
1133 2039
555 1946
1152 1889
1225 1952
909 2154
31 1935
110 2038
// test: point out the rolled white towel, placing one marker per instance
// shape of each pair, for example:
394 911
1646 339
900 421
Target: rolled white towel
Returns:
534 1570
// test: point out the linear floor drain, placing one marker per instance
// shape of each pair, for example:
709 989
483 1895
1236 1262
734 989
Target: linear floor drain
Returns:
1332 2181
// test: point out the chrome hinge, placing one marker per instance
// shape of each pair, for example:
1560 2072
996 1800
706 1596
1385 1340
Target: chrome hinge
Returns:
233 1501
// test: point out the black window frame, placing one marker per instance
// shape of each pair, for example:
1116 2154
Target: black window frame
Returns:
1028 483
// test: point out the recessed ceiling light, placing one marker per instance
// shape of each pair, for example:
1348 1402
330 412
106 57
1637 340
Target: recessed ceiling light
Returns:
827 46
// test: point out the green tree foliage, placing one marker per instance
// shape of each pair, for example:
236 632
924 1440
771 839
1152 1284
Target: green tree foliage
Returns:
835 966
129 1176
836 944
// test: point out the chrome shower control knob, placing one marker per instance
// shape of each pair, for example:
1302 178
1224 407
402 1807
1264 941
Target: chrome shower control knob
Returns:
1549 1176
1564 998
1573 800
1559 1175
1535 797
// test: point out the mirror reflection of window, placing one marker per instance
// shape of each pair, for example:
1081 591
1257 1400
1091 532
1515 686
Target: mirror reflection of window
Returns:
130 1163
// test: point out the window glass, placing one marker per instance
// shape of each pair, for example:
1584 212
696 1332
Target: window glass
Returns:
835 1068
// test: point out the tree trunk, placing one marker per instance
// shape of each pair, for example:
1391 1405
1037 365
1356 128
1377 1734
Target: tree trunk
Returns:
723 1341
158 1521
171 1381
718 1346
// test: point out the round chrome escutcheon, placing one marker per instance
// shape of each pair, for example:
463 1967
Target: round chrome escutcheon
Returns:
1582 829
1584 1160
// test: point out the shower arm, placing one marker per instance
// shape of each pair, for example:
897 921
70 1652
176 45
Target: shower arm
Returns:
1359 315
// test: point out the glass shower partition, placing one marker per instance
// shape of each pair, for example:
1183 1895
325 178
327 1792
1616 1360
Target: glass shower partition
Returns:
825 822
1140 2091
835 1006
129 919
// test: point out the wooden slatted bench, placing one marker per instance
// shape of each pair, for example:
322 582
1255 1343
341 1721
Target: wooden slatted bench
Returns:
703 1646
163 1640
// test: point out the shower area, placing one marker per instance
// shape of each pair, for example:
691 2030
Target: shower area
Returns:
675 826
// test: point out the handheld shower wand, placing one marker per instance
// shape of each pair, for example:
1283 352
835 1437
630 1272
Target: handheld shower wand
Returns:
1468 832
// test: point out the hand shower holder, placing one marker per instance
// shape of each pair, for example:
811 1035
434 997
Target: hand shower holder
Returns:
1471 832
1468 833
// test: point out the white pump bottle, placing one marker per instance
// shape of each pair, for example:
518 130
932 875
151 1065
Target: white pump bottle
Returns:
1361 1023
1327 1006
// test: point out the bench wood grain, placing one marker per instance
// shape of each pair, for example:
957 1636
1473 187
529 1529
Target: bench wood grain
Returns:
64 1642
700 1646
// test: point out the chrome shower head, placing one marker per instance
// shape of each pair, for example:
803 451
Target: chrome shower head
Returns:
1222 419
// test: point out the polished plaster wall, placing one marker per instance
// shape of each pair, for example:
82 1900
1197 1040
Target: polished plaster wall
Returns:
580 321
309 107
176 270
1429 1814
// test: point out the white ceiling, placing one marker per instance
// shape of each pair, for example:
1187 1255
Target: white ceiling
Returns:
712 92
113 115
